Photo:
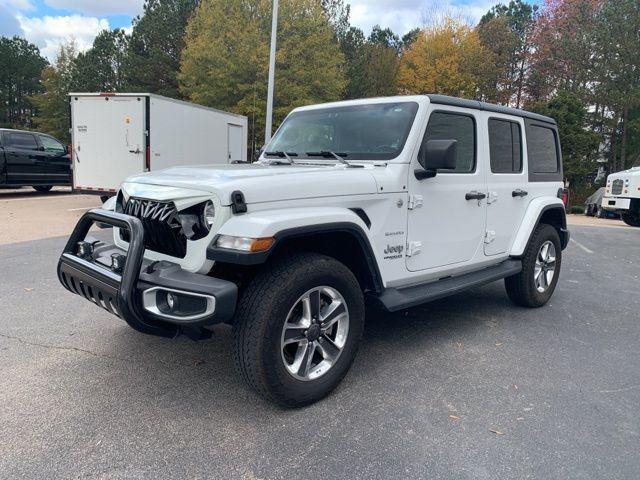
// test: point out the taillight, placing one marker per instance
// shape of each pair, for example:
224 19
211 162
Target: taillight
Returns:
147 159
563 194
70 149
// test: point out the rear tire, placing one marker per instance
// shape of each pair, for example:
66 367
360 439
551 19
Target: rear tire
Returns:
631 219
42 188
541 263
275 328
589 212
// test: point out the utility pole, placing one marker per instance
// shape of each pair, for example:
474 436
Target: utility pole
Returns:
272 68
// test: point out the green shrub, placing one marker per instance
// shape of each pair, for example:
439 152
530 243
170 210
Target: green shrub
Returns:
577 209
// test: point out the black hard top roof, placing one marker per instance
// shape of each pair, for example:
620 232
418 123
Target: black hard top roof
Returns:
489 107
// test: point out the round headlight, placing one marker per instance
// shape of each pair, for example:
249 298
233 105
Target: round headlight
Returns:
209 214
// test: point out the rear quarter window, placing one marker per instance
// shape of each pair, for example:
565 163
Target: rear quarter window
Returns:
543 152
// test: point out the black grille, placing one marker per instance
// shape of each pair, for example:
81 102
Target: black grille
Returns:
162 228
616 187
104 298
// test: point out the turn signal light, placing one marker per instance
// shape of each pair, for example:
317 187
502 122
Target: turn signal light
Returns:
244 244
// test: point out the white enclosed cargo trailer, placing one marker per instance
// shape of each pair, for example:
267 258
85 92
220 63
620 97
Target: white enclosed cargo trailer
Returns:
115 135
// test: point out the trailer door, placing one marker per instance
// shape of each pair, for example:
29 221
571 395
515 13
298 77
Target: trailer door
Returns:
109 140
234 137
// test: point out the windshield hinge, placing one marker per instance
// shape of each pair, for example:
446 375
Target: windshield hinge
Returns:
415 201
413 248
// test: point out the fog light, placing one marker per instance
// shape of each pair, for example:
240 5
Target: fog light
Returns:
117 262
172 301
178 305
85 249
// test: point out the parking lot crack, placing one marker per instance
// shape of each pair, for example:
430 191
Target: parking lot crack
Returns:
58 347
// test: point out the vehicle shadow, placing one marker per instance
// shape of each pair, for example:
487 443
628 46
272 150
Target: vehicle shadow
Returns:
12 194
203 374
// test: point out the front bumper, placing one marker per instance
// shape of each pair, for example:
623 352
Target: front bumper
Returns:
616 203
121 292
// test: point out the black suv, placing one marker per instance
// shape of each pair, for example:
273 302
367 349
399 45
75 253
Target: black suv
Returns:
33 159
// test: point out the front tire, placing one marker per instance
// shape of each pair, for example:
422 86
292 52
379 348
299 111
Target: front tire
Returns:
541 263
297 328
631 219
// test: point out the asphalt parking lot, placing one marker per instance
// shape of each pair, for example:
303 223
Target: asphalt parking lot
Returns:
469 387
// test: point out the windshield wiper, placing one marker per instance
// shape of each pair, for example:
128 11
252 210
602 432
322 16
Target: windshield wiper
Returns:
282 154
337 156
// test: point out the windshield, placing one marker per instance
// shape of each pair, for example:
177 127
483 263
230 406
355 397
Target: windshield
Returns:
358 132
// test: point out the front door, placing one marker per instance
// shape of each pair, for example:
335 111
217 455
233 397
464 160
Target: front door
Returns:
448 228
508 197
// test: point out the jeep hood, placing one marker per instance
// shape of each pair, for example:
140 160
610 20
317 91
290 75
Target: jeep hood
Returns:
263 183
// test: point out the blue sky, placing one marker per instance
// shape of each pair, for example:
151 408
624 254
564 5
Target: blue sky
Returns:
47 23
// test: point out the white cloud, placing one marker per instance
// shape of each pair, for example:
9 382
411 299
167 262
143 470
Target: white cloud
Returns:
403 15
49 32
99 7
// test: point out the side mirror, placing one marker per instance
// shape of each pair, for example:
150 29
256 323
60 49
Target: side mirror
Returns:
436 155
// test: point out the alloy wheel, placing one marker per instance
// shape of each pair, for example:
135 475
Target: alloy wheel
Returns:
314 333
545 266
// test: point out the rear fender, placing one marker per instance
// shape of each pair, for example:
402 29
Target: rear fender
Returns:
532 217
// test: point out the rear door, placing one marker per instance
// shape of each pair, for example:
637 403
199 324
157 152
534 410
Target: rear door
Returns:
22 155
108 140
55 160
508 195
235 135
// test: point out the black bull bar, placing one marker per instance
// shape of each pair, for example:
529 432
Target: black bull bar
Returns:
119 291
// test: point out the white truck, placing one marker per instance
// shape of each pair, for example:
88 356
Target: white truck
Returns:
116 135
622 195
396 201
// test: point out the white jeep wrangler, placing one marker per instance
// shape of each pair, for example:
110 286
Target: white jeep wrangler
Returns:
397 201
622 195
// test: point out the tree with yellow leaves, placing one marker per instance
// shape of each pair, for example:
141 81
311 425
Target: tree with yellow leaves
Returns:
445 58
225 61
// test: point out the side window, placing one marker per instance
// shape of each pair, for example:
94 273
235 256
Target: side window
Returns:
21 140
505 146
455 126
51 144
542 149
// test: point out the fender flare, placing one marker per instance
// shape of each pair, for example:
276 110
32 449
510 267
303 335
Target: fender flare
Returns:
533 214
293 223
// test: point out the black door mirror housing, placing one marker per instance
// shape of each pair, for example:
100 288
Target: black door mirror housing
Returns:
436 155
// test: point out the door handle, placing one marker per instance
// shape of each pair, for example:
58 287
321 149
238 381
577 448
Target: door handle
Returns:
136 151
473 195
519 193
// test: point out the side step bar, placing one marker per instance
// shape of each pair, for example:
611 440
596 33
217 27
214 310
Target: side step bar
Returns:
394 299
